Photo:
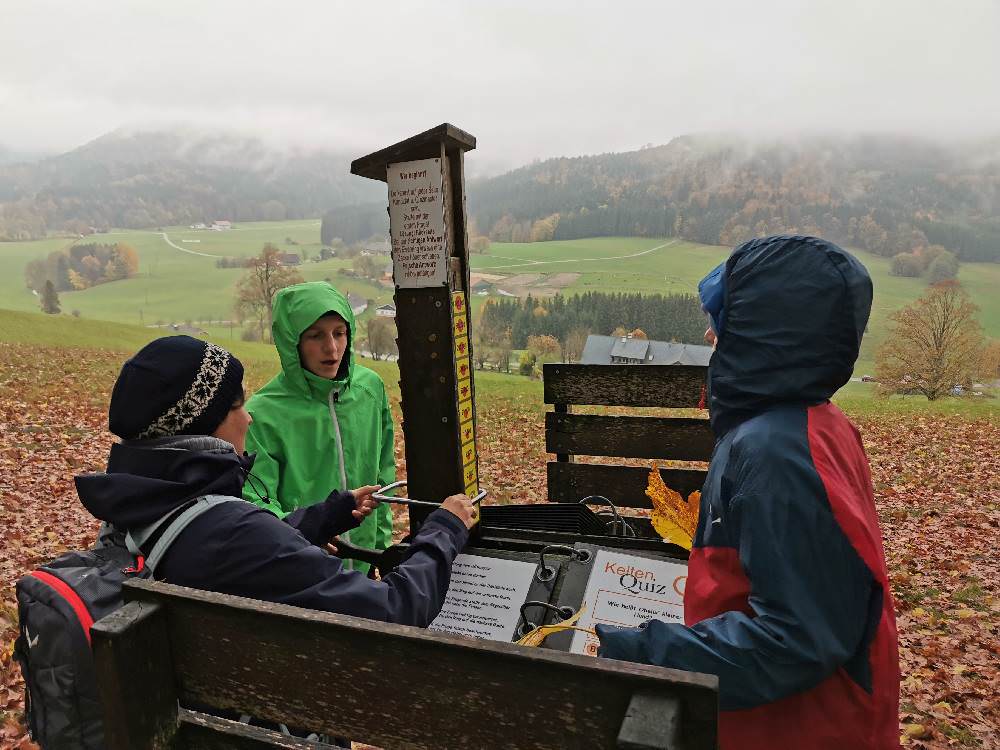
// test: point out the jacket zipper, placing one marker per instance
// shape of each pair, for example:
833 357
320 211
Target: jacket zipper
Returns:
332 400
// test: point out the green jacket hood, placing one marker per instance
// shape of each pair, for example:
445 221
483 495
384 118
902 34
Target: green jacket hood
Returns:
296 308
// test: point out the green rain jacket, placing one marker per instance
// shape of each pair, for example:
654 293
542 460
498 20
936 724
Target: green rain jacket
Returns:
313 435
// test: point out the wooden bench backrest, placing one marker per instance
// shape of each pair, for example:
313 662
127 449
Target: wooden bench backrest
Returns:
389 685
569 435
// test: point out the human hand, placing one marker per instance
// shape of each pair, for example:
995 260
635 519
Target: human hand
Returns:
364 502
461 506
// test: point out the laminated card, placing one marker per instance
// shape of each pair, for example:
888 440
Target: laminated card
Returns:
627 590
485 597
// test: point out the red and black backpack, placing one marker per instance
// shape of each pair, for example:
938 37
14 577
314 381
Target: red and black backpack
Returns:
57 604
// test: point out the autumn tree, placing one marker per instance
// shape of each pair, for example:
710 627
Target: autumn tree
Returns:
367 267
256 288
50 299
479 244
381 335
942 268
989 368
544 347
935 344
574 344
638 333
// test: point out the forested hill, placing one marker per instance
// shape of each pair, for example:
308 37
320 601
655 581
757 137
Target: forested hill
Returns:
149 179
887 195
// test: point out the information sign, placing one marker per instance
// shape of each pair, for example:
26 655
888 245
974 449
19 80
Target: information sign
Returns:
627 590
485 597
416 223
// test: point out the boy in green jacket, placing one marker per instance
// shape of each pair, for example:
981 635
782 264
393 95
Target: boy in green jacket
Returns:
323 423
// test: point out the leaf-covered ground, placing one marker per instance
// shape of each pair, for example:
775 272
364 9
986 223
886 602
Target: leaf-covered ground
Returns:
937 482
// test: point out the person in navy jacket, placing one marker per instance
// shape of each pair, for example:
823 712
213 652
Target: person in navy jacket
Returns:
178 408
787 598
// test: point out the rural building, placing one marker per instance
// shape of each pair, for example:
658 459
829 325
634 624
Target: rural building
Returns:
482 287
624 350
358 303
289 259
187 330
386 311
379 248
220 226
199 225
327 253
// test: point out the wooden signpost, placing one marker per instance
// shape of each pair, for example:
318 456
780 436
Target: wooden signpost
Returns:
430 258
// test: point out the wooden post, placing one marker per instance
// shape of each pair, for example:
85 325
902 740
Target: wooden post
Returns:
426 180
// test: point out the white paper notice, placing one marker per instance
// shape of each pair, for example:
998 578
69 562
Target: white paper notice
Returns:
626 590
416 223
485 597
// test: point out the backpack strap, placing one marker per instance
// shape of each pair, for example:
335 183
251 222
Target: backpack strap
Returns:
137 538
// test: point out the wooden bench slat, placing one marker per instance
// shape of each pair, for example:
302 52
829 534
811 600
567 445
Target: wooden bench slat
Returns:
212 733
667 386
356 678
625 486
680 439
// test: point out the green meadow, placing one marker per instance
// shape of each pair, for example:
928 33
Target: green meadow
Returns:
178 279
175 285
630 264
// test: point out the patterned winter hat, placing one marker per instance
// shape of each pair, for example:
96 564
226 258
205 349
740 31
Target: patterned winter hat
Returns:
176 385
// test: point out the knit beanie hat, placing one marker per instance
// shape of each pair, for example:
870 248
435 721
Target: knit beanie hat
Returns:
176 385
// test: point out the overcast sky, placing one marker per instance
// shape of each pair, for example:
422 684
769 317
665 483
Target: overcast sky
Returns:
529 79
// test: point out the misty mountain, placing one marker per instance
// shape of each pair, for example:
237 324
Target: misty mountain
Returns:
148 179
884 194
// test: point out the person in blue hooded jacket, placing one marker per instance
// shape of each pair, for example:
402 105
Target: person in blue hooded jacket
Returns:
787 598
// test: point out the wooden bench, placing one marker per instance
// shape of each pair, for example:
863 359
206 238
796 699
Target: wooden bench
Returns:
569 434
388 685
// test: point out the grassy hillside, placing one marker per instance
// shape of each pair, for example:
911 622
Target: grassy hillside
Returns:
261 362
174 285
622 264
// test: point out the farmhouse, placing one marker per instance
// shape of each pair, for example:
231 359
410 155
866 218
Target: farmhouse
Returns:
625 350
386 311
358 303
220 226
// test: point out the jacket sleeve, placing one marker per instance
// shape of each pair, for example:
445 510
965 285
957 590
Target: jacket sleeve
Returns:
322 521
386 475
261 487
812 595
246 552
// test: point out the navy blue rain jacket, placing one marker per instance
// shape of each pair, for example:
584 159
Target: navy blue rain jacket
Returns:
787 598
238 548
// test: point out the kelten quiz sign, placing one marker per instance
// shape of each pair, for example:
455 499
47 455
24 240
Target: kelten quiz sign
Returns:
626 591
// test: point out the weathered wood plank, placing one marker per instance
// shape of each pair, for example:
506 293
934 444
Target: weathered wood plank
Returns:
680 439
204 732
625 486
427 395
401 687
135 677
667 386
424 145
652 721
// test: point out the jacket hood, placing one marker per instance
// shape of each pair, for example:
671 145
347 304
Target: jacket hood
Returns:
147 479
296 308
795 311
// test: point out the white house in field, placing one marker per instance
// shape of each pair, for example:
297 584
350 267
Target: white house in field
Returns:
221 226
386 311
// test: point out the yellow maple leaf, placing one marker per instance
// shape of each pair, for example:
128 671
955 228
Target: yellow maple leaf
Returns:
536 636
674 519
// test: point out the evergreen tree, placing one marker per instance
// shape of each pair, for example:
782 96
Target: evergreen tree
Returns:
50 298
